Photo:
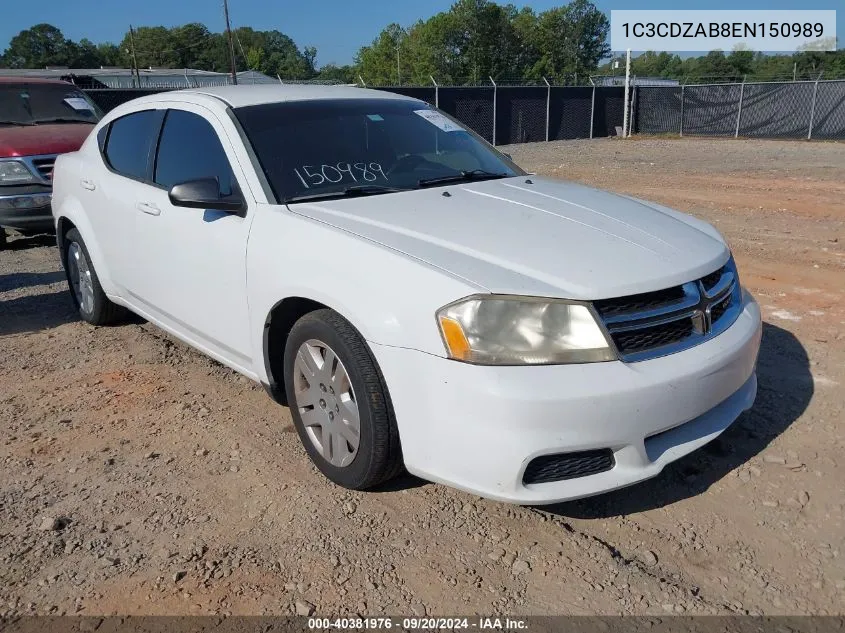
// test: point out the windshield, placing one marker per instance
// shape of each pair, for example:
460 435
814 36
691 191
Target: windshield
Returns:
312 149
33 104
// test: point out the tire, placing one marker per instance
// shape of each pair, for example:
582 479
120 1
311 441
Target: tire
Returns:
378 455
84 285
2 238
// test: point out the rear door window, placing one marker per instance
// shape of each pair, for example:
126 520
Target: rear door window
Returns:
189 149
130 141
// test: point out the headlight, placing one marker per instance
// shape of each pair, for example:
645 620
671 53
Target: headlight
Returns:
513 330
14 172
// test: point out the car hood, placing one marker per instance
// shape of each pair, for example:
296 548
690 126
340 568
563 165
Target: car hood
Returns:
37 140
535 236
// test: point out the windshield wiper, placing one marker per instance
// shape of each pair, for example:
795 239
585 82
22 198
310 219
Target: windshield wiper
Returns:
464 176
349 192
60 119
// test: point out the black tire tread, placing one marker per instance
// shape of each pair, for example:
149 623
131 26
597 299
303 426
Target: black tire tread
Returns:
105 311
386 451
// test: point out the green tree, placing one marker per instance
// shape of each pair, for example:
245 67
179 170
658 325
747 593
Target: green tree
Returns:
333 72
572 40
37 47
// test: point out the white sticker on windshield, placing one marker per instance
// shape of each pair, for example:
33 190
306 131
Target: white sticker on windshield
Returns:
78 103
435 118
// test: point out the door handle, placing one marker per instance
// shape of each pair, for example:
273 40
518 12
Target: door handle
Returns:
87 184
149 208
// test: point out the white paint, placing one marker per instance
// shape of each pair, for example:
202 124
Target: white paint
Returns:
387 263
436 118
78 103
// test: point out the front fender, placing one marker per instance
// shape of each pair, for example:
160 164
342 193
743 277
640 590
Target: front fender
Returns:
71 209
389 297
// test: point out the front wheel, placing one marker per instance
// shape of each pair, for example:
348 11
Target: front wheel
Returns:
339 402
85 289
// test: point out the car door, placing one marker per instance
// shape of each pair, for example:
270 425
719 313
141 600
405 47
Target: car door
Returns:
112 187
190 264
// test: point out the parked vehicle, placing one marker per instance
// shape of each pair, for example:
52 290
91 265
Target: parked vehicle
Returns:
415 297
39 119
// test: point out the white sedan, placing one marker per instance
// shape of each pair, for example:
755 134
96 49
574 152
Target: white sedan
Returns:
414 297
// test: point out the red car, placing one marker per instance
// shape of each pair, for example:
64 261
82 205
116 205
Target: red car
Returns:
39 119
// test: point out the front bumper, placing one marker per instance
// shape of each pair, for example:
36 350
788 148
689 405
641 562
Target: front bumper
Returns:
29 211
477 428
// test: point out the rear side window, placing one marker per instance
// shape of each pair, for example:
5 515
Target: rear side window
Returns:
129 142
190 149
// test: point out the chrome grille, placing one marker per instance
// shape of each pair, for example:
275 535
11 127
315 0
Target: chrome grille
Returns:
658 323
44 165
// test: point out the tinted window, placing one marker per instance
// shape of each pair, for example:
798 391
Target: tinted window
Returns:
320 147
129 142
26 103
190 149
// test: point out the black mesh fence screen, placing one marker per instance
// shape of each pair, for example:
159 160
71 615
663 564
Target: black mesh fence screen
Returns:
829 114
658 110
776 110
569 113
711 110
768 110
471 106
608 111
109 99
520 114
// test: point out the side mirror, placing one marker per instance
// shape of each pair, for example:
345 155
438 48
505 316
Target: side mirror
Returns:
204 193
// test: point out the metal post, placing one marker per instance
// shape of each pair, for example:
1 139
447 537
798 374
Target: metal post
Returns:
548 105
279 77
682 109
436 92
813 107
627 88
495 89
592 110
631 122
361 79
739 109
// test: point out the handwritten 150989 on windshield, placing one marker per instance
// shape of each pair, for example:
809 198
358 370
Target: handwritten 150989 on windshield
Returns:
682 31
335 173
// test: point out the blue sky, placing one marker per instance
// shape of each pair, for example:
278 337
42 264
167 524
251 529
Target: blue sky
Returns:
336 27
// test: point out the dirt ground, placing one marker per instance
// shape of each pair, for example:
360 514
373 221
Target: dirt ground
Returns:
139 477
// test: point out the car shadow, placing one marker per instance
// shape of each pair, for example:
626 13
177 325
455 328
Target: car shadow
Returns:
785 388
36 312
13 281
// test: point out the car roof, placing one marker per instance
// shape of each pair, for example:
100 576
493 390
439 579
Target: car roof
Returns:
32 80
247 95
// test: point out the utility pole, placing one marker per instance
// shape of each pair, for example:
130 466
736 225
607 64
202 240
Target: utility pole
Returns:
231 43
137 77
398 69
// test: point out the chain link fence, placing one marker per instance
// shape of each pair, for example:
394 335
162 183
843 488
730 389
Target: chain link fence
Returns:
501 114
787 110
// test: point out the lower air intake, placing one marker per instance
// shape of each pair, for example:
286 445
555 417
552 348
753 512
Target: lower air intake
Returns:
548 468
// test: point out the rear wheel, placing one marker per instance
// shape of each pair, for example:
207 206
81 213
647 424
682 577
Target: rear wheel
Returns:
85 289
339 402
